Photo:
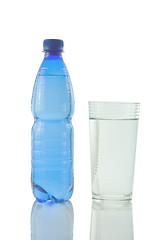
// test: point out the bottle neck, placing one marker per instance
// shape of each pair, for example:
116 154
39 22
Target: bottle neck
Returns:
48 54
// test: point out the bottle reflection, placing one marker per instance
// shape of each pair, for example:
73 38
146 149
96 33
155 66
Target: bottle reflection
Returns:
111 220
52 221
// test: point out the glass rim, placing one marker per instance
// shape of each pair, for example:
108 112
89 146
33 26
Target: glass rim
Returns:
112 102
113 110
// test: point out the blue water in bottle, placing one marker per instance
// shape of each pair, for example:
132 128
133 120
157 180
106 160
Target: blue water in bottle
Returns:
52 131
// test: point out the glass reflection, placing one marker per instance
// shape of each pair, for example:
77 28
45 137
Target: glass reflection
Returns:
52 221
111 220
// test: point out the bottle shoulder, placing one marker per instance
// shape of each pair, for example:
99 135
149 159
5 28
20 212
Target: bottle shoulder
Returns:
52 96
53 66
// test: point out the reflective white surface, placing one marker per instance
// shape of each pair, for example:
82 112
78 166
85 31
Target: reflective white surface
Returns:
97 220
52 221
111 220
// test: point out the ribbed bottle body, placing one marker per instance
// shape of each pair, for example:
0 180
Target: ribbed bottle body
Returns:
52 132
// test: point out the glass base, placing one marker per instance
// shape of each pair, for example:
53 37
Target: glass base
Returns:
112 197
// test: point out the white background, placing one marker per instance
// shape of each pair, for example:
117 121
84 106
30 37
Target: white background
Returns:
112 51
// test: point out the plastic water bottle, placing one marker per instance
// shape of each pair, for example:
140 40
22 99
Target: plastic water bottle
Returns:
52 132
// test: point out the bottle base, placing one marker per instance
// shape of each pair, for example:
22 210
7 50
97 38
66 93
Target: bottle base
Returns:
43 196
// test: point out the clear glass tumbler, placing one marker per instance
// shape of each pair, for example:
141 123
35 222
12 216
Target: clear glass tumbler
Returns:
113 137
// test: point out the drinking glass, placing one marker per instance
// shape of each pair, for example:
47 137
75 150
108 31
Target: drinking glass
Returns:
113 137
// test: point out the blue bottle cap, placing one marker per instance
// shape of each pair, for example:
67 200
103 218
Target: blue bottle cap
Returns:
53 45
